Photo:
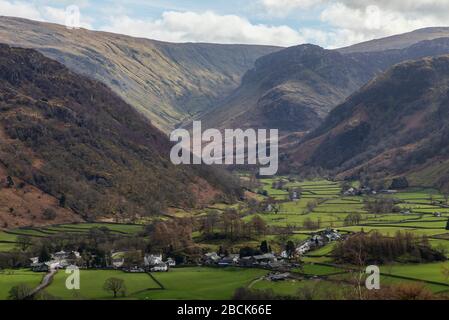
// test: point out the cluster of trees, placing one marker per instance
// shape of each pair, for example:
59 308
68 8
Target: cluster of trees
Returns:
399 183
95 247
310 224
374 248
279 184
230 225
249 251
25 292
381 205
170 236
353 219
312 205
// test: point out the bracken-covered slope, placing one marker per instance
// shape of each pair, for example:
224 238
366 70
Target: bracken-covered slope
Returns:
69 144
167 82
397 124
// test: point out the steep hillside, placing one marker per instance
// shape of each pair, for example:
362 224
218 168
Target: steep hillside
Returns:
400 41
69 144
292 90
398 124
167 82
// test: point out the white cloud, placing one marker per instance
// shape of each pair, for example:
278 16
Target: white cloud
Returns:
37 12
204 27
352 21
283 7
329 23
19 9
362 20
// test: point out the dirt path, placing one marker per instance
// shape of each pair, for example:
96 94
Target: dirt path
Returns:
255 281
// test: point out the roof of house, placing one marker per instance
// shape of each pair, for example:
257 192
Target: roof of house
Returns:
265 256
161 265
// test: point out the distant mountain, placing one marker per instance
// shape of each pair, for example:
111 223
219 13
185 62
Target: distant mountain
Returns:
169 83
71 149
400 41
396 125
294 89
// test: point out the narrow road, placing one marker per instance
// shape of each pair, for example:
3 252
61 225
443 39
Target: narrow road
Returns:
45 282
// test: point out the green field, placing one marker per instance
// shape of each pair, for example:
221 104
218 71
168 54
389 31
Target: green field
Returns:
92 281
180 283
11 278
202 283
293 287
426 272
333 209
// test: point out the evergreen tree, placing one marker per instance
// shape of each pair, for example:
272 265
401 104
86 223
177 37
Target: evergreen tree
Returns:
62 201
44 255
264 247
9 182
290 248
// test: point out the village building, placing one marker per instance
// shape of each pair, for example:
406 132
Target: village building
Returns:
39 267
264 259
232 259
278 276
279 265
304 248
171 262
160 267
211 258
61 255
118 259
152 260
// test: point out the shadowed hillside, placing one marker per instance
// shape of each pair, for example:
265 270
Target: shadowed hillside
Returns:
70 144
395 125
167 82
292 90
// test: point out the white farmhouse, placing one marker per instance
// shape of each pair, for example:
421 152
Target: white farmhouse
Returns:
160 267
152 260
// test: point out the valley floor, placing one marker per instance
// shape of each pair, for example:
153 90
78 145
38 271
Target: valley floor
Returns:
423 213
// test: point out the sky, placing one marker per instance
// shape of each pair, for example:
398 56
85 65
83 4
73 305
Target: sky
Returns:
328 23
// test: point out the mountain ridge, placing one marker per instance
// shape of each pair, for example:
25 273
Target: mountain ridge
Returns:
294 89
399 41
167 82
